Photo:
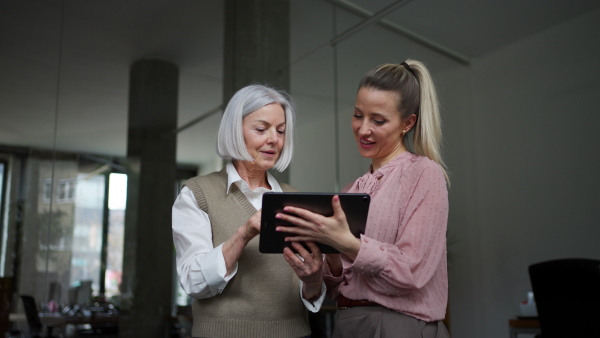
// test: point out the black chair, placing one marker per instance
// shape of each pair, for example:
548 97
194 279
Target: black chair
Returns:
567 296
6 291
33 318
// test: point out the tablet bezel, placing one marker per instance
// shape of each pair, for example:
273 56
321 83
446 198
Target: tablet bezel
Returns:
355 206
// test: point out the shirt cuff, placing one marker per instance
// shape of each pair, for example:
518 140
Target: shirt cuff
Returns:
328 275
315 305
214 270
369 259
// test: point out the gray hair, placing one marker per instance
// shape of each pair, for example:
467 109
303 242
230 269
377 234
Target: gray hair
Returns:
230 140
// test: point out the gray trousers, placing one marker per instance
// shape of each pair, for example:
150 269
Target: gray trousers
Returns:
381 322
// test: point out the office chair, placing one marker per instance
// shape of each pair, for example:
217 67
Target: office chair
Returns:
567 296
6 291
33 318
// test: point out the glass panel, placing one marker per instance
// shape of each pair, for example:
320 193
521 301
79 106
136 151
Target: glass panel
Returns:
117 195
56 236
3 223
2 183
67 252
29 64
87 230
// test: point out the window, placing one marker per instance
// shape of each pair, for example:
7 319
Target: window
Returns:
75 235
88 232
87 228
3 175
66 190
3 225
47 190
117 196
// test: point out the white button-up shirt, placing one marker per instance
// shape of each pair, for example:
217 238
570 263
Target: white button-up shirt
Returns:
201 268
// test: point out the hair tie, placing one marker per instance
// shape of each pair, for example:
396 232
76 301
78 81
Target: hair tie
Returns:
410 70
416 78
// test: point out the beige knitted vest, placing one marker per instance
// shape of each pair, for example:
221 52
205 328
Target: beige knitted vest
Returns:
263 298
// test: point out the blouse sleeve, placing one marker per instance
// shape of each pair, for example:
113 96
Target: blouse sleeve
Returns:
420 244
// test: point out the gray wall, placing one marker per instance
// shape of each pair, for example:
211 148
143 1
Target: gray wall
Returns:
535 123
520 143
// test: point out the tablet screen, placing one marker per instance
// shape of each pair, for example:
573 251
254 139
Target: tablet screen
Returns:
355 206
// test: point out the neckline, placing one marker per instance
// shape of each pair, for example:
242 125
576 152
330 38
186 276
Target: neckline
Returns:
391 162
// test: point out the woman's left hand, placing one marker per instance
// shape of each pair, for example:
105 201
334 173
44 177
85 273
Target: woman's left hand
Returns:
333 231
307 265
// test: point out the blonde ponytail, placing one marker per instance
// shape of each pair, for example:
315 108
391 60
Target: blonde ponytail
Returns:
427 137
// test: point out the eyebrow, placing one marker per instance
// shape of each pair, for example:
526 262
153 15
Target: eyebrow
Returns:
267 123
376 114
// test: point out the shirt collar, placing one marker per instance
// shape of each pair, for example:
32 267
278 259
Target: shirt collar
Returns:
233 177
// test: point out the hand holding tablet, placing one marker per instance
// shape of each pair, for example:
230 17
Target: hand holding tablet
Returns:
354 206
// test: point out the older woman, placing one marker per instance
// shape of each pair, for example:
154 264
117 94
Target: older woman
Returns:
238 291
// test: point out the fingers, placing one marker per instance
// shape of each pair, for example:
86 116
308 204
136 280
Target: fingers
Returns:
256 218
252 226
314 249
300 226
302 214
336 204
307 265
290 257
294 261
338 212
292 219
301 250
301 254
294 230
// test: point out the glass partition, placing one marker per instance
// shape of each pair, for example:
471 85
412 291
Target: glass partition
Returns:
37 205
59 142
63 136
3 203
117 192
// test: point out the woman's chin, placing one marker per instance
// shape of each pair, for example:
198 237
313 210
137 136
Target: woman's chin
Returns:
264 164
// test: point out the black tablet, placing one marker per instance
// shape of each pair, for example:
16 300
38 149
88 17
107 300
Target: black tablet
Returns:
355 206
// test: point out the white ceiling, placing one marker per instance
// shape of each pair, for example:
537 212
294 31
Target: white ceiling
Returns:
94 42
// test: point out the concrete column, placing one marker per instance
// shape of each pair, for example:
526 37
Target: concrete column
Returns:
257 47
151 155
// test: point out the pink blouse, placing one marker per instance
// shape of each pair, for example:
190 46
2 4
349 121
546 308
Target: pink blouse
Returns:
401 263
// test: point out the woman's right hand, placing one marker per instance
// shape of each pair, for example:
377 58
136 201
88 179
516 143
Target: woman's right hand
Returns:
252 226
233 247
309 226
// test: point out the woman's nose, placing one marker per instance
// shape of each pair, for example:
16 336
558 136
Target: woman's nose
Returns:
272 136
364 129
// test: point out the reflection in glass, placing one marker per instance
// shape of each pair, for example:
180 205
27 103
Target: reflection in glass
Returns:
3 225
87 229
117 196
72 196
56 216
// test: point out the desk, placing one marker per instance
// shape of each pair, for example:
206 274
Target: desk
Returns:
107 326
54 320
524 325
